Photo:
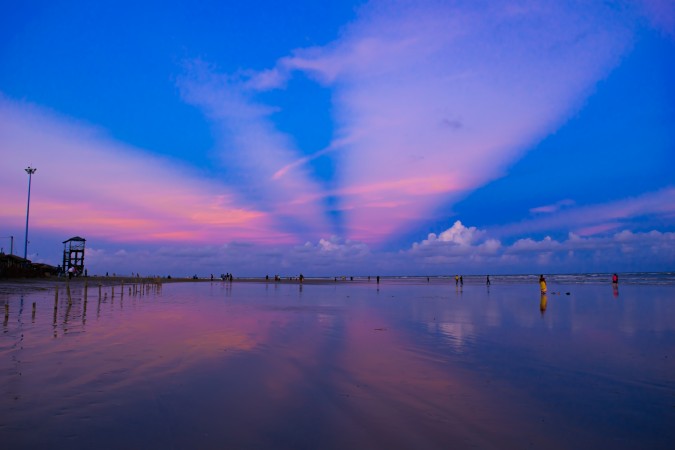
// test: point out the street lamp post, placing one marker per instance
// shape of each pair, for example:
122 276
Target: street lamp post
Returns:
30 171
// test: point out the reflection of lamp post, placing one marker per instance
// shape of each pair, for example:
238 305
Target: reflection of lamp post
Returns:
30 171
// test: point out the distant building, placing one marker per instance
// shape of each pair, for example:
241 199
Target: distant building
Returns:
12 266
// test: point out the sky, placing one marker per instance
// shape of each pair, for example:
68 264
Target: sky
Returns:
340 138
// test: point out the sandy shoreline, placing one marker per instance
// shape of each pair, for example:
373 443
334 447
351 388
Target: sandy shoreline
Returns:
9 285
14 285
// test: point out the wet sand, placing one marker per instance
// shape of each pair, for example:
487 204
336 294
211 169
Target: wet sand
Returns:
336 365
18 285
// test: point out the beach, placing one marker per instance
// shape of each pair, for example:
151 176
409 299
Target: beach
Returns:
404 363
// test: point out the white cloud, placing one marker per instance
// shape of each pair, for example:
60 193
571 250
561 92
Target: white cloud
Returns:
456 236
530 245
334 249
473 249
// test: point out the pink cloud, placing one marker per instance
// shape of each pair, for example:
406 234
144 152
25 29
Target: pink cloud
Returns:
553 207
431 101
90 185
449 93
254 153
661 14
460 249
597 219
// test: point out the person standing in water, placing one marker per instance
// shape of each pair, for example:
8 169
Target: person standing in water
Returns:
487 281
542 284
615 279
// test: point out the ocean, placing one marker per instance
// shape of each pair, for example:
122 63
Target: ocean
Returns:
406 363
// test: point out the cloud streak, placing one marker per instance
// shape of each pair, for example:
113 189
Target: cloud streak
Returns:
503 77
657 208
90 185
252 151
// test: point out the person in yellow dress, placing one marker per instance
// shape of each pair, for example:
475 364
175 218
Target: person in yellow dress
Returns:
542 284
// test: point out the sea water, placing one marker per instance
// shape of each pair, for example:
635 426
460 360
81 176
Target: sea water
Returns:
399 364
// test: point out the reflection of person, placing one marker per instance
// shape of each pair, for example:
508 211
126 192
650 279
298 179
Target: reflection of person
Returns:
615 279
542 284
543 303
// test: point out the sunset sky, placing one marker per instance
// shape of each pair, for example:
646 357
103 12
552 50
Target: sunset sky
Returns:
347 137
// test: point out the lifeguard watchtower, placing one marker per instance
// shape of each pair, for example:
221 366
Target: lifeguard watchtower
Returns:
73 254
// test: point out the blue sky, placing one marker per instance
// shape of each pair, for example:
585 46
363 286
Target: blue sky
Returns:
352 137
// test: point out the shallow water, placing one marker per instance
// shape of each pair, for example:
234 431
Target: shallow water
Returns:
345 365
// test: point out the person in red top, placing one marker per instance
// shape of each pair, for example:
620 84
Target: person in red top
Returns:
615 279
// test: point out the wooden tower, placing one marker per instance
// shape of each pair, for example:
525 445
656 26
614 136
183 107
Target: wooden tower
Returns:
73 254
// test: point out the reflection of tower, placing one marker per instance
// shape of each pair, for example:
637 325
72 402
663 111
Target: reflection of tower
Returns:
73 254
